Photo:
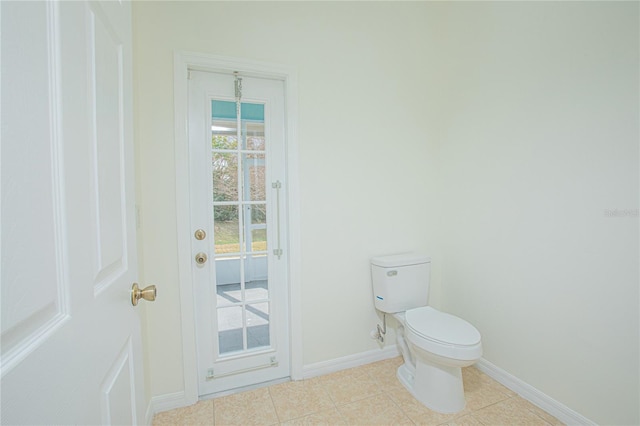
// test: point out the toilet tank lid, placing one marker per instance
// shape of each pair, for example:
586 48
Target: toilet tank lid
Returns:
397 260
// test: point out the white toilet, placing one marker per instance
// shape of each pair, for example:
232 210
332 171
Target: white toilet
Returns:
434 345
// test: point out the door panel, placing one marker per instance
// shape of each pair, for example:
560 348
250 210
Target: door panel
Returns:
70 338
34 299
107 143
118 390
242 303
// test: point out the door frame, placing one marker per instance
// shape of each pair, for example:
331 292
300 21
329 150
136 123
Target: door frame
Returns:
183 61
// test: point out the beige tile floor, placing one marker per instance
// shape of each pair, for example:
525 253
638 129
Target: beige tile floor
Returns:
366 395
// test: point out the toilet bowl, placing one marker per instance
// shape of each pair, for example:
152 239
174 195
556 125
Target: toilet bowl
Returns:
440 344
435 345
443 335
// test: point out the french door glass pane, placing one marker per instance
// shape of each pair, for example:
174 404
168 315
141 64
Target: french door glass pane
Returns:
254 168
256 290
257 227
230 328
224 134
228 294
225 176
226 233
229 290
240 227
257 325
259 239
255 136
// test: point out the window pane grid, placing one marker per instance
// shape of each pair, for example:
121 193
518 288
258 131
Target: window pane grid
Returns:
235 203
240 243
241 151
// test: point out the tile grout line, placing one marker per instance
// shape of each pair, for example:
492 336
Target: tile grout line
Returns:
273 404
477 419
315 412
379 379
494 403
539 416
335 406
510 397
400 408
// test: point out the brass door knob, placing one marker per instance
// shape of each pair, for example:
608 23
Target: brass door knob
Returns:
201 258
147 293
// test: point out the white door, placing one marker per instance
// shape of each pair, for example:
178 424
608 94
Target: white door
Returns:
237 171
71 351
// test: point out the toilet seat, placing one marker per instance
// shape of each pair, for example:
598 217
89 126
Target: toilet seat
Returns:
442 334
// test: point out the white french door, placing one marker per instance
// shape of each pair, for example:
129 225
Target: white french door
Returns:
238 217
71 350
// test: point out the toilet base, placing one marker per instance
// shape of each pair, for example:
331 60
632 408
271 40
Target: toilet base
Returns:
406 377
438 387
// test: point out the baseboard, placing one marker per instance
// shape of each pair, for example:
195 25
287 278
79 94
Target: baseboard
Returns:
533 395
165 402
525 390
349 361
177 399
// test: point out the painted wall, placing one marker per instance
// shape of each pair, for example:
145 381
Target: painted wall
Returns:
367 164
494 136
539 142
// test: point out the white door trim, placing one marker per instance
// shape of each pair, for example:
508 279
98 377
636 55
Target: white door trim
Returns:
183 61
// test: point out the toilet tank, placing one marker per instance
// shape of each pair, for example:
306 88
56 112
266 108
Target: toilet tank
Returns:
400 282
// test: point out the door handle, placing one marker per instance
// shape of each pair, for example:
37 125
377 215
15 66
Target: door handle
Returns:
201 258
277 185
147 293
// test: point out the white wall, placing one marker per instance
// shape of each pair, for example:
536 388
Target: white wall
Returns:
540 138
518 120
367 165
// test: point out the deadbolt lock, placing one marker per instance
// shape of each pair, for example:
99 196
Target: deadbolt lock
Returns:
201 258
200 234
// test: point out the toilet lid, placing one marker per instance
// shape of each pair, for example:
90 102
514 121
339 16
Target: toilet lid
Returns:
432 324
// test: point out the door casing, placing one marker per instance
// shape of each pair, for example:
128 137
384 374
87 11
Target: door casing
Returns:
183 62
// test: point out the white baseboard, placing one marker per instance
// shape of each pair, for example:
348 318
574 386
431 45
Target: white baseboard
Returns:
533 395
526 391
177 399
165 402
349 361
